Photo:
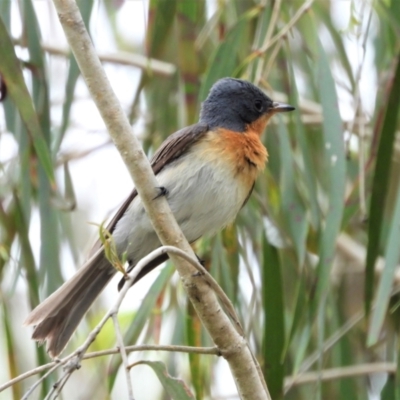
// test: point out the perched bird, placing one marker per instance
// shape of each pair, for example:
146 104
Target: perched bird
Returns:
207 173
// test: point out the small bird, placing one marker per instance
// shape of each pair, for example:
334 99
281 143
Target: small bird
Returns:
206 171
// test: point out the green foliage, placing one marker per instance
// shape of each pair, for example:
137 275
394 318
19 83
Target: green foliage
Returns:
304 258
175 388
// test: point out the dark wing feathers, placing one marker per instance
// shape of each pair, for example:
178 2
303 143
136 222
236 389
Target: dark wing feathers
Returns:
172 147
176 145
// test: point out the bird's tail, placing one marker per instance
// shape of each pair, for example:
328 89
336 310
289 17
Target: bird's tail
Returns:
58 316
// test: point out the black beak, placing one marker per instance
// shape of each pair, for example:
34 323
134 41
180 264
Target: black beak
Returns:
281 107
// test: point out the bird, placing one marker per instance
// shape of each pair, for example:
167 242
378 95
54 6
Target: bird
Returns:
206 171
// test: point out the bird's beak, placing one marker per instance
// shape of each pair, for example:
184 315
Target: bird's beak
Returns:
280 107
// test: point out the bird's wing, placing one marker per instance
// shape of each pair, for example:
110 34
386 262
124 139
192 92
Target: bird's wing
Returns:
173 147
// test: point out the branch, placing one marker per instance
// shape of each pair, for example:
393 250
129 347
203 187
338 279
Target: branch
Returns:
285 30
123 58
122 350
95 354
339 373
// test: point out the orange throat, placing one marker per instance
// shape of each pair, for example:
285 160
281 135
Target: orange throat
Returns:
245 150
240 153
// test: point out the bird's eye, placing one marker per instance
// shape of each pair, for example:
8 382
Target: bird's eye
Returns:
258 105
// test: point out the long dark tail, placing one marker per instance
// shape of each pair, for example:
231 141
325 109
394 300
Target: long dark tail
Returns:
58 316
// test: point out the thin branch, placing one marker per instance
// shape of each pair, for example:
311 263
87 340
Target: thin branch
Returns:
285 30
271 26
101 353
331 341
58 386
148 347
339 373
212 282
55 365
78 154
122 350
271 59
151 65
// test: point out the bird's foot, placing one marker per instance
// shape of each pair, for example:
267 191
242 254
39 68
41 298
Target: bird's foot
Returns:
201 261
162 191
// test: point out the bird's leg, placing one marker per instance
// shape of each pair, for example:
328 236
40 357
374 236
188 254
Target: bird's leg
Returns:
162 191
202 262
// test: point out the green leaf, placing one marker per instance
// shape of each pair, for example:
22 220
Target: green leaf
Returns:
392 254
389 390
194 338
397 377
10 69
70 197
224 61
301 138
37 64
190 19
274 330
5 12
10 339
292 207
335 169
49 232
174 387
85 7
299 312
322 9
380 183
28 261
161 20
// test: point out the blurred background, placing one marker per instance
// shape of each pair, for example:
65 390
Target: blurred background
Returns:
311 263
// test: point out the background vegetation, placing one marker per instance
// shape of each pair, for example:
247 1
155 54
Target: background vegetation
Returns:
311 264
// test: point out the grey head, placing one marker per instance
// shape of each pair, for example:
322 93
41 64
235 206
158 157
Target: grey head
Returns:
234 104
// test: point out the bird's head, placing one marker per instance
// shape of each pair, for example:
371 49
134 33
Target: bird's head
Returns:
238 105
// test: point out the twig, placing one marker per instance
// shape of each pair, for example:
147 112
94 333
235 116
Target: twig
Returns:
122 350
58 386
79 353
339 373
314 357
271 27
271 59
302 10
147 347
77 154
123 58
354 320
37 383
211 281
102 353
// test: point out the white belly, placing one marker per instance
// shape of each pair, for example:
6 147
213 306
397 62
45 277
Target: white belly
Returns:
204 197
